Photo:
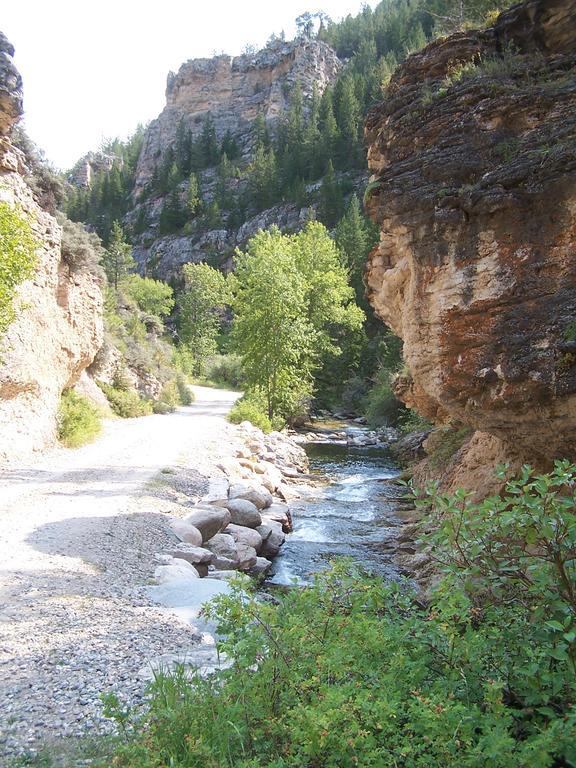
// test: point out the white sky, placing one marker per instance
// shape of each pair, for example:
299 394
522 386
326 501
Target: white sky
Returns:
95 70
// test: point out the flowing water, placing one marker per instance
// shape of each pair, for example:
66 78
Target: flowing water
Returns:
350 515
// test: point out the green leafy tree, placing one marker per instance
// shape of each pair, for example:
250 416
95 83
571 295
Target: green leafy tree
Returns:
153 297
117 259
201 305
17 259
271 331
292 306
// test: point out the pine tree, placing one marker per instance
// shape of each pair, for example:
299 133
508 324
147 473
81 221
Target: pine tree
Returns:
173 215
209 143
194 198
354 240
331 202
117 259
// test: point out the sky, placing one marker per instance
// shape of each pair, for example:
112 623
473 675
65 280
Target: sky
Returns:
93 70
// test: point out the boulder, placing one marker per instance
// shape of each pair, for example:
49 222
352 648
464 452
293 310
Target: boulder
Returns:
272 538
257 494
244 513
209 520
271 474
193 555
186 532
260 567
226 575
175 571
280 513
225 552
247 557
243 535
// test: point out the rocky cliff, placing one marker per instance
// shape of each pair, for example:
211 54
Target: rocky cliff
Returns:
473 156
58 329
233 91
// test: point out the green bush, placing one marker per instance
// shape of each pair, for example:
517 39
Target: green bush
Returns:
185 394
354 672
225 371
17 259
79 421
125 403
249 410
162 408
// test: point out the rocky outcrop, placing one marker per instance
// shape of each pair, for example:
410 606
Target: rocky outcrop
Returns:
473 155
92 163
233 91
58 329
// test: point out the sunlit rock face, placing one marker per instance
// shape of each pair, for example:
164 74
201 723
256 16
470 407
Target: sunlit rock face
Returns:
58 330
473 156
233 91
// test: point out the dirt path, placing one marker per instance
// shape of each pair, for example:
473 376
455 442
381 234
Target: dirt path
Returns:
79 533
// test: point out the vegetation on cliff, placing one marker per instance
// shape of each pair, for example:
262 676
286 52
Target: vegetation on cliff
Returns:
17 259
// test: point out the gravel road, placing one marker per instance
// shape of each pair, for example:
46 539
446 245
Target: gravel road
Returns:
79 534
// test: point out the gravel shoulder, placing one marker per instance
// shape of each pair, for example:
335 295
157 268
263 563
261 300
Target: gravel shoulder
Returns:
79 535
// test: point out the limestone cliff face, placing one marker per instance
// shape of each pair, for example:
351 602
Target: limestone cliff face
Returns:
59 326
234 91
473 155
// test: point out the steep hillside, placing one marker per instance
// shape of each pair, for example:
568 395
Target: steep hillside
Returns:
474 166
58 325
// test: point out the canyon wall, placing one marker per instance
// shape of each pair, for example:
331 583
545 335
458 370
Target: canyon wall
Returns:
473 156
58 329
234 91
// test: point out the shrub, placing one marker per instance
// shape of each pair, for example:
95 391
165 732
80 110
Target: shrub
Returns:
17 259
353 672
125 403
153 297
81 250
170 395
79 421
162 408
249 410
225 370
185 394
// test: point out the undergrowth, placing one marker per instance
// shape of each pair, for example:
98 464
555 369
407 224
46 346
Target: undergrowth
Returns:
353 672
125 403
79 421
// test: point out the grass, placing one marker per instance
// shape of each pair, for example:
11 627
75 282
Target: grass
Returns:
79 420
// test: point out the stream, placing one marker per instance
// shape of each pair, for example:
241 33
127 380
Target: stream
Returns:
350 514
